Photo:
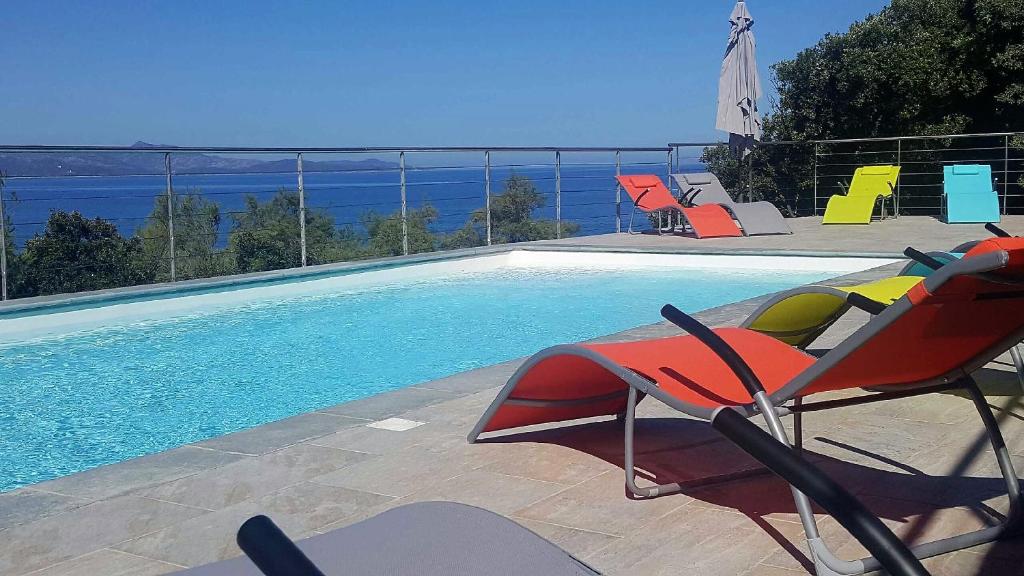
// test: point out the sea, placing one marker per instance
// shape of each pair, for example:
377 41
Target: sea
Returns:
588 195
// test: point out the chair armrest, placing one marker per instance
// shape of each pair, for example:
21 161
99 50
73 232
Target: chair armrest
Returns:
272 551
866 304
922 258
996 230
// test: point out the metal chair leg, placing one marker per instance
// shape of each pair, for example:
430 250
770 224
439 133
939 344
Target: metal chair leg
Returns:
1018 363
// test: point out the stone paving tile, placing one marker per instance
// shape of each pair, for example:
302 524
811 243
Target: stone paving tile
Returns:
766 570
913 522
254 477
600 505
689 540
26 504
406 471
298 510
474 380
281 434
379 441
549 463
870 438
137 473
967 562
888 237
462 412
496 492
390 403
109 562
579 543
64 536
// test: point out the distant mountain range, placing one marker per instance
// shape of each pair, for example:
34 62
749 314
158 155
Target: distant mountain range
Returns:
122 163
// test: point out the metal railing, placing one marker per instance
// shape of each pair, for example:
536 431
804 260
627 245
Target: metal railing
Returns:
818 169
575 183
430 195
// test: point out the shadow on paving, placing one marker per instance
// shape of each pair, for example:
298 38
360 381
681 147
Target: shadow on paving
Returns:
714 471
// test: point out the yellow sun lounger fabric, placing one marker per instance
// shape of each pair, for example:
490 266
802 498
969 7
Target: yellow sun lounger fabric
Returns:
798 316
869 184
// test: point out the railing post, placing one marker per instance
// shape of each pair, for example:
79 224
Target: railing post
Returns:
170 211
558 194
618 193
899 164
405 219
1006 173
487 192
3 244
815 212
302 210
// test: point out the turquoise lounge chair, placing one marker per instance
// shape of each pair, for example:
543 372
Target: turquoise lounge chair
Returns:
968 194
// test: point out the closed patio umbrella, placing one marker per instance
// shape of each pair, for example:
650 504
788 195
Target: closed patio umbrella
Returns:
739 85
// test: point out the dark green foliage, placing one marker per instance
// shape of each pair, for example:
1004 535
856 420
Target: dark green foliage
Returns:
385 232
196 224
266 236
917 67
76 254
511 218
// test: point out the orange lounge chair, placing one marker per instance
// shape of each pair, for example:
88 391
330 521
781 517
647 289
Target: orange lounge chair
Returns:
649 194
955 321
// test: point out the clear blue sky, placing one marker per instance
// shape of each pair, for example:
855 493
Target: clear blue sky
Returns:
366 73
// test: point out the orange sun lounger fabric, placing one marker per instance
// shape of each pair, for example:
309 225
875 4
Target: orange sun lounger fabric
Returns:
649 194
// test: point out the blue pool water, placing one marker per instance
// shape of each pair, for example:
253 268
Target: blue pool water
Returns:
90 398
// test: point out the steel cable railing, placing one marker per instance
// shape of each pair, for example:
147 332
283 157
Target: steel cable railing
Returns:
438 195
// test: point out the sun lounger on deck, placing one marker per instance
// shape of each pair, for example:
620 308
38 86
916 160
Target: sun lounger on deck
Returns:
754 217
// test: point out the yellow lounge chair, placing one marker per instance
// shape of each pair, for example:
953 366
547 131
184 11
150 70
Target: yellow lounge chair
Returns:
869 184
797 317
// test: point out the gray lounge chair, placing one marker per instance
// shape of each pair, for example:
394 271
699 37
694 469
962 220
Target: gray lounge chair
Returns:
756 218
425 539
448 539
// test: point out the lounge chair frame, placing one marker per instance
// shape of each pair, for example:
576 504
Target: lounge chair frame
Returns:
777 404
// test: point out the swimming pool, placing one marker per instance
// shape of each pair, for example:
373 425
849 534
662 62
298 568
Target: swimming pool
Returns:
99 385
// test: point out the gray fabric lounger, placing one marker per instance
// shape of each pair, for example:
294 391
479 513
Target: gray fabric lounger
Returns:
755 217
425 539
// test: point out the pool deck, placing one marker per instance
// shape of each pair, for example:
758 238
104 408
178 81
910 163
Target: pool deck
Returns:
335 466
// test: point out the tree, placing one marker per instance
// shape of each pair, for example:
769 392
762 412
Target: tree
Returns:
266 236
196 226
916 67
926 67
75 254
385 232
511 218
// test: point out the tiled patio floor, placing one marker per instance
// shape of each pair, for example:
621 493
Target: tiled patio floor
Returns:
327 469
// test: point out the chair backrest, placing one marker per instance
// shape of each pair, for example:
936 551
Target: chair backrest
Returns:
874 181
955 321
647 191
710 189
967 179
